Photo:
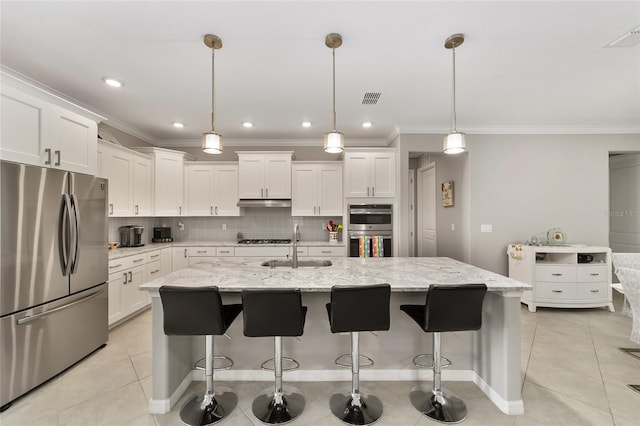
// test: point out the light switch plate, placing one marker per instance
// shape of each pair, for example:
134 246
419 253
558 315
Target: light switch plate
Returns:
486 228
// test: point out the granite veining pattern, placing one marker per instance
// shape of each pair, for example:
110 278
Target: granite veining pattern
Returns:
403 274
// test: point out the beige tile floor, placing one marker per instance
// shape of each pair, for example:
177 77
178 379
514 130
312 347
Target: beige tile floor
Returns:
573 375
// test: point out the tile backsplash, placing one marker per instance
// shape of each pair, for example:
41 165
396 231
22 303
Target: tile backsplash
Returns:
255 223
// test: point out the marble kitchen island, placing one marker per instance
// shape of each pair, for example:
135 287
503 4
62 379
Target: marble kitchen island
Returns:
489 357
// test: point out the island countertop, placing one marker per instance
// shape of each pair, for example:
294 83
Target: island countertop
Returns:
402 273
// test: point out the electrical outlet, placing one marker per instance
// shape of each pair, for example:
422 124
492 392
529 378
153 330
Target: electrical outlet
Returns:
224 226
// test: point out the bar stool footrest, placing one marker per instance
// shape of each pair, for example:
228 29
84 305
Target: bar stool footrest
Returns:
225 366
445 362
295 364
369 362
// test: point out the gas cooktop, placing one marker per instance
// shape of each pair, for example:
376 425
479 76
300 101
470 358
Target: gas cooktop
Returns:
266 241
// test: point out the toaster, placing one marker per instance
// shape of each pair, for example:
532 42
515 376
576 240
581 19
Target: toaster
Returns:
162 235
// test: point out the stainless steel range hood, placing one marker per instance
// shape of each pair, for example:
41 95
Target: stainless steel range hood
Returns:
264 203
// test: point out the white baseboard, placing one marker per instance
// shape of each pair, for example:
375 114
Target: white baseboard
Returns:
163 406
515 407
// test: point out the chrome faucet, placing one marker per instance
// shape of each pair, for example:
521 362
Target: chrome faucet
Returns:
296 237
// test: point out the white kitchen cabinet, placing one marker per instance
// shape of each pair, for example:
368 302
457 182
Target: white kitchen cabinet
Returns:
129 175
563 276
264 175
211 189
370 174
316 189
167 181
179 258
37 132
125 277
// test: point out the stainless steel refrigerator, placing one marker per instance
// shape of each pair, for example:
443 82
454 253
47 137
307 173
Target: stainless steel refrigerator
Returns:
53 293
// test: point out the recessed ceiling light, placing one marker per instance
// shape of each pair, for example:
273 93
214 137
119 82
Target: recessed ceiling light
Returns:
178 125
247 124
112 82
367 124
306 124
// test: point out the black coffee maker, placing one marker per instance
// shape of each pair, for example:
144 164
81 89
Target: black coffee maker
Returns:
131 236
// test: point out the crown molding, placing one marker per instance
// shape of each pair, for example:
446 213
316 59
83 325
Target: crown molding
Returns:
525 130
269 142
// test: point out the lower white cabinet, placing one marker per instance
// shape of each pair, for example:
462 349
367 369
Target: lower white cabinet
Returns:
180 258
127 274
563 277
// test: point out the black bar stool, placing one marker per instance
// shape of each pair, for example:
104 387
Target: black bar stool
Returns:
354 309
275 313
447 308
197 311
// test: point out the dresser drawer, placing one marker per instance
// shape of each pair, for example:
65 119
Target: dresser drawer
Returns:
592 291
556 291
154 270
202 251
597 273
225 251
556 273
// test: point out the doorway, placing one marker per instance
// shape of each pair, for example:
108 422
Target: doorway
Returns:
426 211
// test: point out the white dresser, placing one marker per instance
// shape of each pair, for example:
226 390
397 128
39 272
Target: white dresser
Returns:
576 276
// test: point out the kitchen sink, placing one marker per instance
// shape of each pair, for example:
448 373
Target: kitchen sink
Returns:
307 263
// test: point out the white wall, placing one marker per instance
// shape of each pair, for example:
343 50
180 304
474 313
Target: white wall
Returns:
624 203
525 184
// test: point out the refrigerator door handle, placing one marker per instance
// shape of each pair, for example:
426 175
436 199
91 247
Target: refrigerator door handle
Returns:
75 258
64 239
35 317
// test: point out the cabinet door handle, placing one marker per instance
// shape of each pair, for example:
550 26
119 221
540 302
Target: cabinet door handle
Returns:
58 155
367 191
225 251
556 275
48 152
211 210
124 280
556 291
318 210
261 192
595 274
111 208
373 191
180 210
130 276
185 253
266 193
326 251
115 266
201 251
136 209
137 260
595 291
314 209
216 210
154 255
153 272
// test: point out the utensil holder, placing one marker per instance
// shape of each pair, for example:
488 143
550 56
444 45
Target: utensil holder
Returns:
333 237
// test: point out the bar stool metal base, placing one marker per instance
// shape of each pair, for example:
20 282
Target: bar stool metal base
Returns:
360 409
278 409
442 406
198 412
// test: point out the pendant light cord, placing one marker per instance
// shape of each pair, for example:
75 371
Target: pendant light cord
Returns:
213 90
453 106
334 86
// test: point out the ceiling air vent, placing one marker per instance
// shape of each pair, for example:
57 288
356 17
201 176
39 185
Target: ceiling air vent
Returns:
371 98
628 39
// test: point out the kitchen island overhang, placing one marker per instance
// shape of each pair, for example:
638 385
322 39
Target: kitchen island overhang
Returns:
489 357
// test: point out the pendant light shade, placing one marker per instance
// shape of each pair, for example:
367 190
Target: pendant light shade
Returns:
454 142
333 140
212 142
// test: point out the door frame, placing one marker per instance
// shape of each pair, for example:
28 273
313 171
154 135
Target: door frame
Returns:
418 210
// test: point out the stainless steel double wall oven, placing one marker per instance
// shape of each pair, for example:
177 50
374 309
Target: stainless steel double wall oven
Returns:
370 220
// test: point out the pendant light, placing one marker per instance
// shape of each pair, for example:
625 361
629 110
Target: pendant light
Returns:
333 140
212 142
454 142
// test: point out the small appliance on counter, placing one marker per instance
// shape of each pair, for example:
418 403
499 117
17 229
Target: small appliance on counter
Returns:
162 235
131 236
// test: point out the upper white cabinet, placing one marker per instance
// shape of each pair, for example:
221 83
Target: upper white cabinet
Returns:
35 131
211 189
316 189
167 181
264 175
129 175
370 174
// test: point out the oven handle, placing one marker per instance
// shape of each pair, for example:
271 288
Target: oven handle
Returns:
360 211
384 235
